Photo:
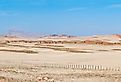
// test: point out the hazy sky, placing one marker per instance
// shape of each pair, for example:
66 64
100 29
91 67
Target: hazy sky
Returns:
75 17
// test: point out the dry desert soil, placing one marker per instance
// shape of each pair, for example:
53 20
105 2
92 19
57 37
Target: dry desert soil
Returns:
60 59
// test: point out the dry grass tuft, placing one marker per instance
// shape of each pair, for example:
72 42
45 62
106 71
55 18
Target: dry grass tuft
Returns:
103 50
116 49
20 51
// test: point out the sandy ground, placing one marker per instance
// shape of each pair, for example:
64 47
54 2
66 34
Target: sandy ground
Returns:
28 67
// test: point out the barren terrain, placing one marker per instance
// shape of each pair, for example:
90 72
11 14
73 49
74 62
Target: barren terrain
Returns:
60 59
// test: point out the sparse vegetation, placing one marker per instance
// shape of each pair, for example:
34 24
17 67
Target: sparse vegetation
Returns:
74 50
20 51
103 50
116 49
55 47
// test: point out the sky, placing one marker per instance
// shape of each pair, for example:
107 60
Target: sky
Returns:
72 17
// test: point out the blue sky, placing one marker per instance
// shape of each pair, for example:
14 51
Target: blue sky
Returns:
73 17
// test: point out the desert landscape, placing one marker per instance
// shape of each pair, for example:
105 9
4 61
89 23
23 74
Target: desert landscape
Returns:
60 41
60 58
